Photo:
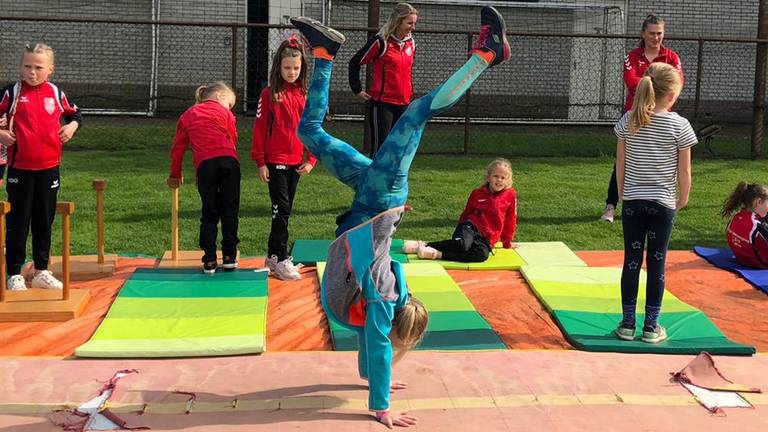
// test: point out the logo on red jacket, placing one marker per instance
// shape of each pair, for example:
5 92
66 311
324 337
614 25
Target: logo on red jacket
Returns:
50 105
408 51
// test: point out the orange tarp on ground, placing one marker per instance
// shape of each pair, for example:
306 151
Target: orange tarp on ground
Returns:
295 320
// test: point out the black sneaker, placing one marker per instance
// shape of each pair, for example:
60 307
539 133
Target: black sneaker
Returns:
319 35
209 267
229 262
493 36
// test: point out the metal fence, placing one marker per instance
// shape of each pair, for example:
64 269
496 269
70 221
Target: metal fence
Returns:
152 68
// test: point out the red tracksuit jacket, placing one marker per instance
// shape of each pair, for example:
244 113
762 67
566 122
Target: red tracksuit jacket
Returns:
391 65
210 129
36 123
274 131
748 238
494 214
635 65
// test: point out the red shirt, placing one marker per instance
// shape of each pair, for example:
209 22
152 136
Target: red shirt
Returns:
274 131
635 65
391 65
36 124
747 237
494 214
210 129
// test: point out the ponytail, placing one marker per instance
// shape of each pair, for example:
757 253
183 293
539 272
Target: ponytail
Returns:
409 326
658 81
205 92
743 197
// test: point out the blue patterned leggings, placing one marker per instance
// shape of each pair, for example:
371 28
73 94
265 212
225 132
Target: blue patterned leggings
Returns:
381 183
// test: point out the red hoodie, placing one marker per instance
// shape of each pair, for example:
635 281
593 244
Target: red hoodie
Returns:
274 130
748 239
36 123
494 214
635 65
209 128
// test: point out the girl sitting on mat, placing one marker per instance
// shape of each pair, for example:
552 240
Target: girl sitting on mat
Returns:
747 232
208 127
489 216
653 152
362 288
277 151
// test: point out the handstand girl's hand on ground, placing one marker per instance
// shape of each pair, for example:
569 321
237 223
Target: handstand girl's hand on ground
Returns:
390 420
397 385
304 169
510 245
264 174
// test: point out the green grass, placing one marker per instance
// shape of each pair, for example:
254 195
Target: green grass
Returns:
561 176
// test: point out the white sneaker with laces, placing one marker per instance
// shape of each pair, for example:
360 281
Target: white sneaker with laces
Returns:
412 246
16 283
608 213
44 279
285 270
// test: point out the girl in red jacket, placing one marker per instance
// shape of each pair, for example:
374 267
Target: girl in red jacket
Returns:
209 128
277 151
34 108
747 232
490 216
389 56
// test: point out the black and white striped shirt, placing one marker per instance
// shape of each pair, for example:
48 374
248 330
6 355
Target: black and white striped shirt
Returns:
651 156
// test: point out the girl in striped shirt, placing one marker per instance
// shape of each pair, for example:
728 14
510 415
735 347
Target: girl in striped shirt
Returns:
653 155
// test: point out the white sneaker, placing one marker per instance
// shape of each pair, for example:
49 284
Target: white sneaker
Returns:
271 263
16 283
426 252
285 270
608 213
44 279
412 246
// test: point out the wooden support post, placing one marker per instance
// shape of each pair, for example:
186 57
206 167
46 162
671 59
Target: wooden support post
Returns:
174 224
99 186
5 207
65 209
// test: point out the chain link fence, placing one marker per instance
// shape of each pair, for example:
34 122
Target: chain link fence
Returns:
566 67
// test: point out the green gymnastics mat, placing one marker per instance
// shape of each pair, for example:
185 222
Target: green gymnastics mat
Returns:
454 324
586 304
513 259
310 252
183 313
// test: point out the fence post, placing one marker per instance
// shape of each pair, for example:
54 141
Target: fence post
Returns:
234 59
758 104
466 103
373 22
697 100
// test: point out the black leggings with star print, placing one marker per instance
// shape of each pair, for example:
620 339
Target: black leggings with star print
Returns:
643 219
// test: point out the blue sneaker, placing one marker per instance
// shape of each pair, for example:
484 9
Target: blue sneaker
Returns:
492 44
318 35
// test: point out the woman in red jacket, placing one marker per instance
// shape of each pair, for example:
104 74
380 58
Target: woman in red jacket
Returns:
277 150
747 232
209 128
490 216
637 61
389 55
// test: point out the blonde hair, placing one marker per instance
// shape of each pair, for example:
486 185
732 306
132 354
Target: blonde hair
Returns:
211 91
743 197
290 47
409 326
398 15
498 163
658 81
39 48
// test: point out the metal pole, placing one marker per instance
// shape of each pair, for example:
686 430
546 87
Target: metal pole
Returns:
699 69
373 22
758 105
234 59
